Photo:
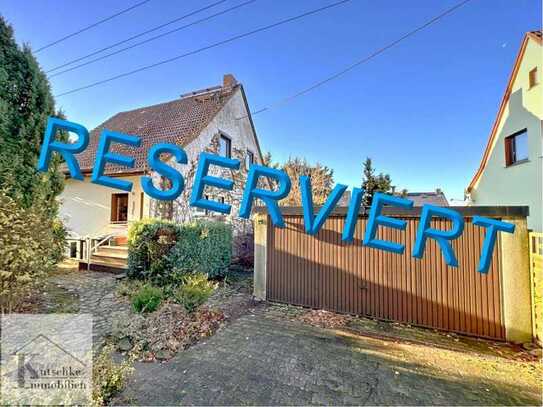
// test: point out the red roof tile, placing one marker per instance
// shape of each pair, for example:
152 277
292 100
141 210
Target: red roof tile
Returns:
178 122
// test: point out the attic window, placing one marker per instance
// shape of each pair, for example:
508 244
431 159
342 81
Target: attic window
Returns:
249 159
225 146
532 78
516 148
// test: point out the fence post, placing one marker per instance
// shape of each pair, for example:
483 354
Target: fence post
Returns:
517 312
261 240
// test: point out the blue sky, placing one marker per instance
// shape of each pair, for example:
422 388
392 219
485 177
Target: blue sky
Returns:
422 111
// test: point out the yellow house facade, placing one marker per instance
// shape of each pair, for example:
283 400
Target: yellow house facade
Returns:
90 209
511 169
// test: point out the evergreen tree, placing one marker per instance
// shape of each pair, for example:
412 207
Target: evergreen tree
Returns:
372 183
25 104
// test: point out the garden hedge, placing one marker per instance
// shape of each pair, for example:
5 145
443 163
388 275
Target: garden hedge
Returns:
164 251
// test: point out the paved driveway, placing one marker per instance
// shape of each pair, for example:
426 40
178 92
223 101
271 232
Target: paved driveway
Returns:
264 358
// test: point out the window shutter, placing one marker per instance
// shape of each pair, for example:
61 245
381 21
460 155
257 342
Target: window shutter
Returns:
508 151
113 208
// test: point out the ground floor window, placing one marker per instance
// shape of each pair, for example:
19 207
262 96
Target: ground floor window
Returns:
119 207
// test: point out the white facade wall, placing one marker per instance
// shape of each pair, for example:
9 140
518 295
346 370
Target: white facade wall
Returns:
233 122
522 183
86 207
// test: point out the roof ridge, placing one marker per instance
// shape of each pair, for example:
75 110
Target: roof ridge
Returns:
218 89
178 121
201 91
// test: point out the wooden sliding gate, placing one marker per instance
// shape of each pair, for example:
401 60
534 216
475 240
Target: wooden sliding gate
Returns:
323 272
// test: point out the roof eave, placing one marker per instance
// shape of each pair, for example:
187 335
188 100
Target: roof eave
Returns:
250 117
128 172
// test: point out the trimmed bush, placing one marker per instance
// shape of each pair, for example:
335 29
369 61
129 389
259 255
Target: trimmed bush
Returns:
147 299
149 245
195 290
164 252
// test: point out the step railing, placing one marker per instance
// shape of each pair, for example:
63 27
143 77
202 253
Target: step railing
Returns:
93 248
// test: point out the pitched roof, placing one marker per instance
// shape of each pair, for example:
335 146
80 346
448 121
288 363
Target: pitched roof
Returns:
436 198
178 122
536 36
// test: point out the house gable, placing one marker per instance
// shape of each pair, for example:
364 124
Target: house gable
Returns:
232 121
501 179
532 43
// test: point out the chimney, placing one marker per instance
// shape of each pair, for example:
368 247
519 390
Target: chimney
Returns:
228 81
439 191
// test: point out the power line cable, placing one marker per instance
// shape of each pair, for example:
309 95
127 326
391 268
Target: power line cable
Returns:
126 10
175 20
152 38
360 62
231 39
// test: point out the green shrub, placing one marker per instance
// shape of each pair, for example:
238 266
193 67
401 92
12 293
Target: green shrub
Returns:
215 248
108 377
195 290
30 243
149 244
59 233
164 252
127 288
147 299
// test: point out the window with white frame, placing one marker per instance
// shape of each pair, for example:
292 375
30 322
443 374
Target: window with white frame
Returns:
225 146
249 159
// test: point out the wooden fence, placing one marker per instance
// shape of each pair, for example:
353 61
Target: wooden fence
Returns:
536 274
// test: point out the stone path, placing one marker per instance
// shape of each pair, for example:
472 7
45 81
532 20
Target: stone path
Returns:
265 359
87 293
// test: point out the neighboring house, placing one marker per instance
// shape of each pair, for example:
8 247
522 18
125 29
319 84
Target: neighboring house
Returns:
436 198
215 120
511 169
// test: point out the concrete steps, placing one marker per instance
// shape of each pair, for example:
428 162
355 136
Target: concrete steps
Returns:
119 252
113 259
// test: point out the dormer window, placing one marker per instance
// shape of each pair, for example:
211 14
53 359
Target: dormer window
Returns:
516 148
225 146
532 78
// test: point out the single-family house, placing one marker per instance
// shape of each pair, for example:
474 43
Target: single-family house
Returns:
511 169
215 120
